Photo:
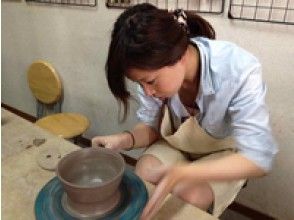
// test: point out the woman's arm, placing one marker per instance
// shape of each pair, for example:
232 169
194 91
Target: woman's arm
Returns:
144 135
232 167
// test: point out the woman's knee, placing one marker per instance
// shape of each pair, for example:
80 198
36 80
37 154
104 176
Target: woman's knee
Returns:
144 165
200 195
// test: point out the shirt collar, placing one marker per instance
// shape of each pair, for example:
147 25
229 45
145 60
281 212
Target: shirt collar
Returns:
206 84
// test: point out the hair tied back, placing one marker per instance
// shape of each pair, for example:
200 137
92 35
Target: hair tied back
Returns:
181 17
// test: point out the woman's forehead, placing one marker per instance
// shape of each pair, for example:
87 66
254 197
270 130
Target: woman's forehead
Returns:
140 74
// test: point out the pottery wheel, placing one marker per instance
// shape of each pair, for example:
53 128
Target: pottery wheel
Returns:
90 210
133 197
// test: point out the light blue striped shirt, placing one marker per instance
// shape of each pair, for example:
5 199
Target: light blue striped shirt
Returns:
230 100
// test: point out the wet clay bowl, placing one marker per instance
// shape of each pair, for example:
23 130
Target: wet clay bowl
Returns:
91 179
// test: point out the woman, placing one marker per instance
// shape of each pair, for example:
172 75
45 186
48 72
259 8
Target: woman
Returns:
202 110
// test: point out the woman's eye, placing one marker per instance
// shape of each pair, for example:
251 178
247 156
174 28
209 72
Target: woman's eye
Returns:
151 81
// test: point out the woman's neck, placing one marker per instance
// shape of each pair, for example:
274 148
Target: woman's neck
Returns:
189 88
193 68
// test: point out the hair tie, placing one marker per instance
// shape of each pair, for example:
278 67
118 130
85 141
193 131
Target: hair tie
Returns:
180 16
133 139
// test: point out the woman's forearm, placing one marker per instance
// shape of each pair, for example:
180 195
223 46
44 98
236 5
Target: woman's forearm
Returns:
232 167
144 135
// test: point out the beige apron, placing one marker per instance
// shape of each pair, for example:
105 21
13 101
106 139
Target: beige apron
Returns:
190 139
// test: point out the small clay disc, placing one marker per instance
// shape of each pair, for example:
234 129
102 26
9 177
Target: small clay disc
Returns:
49 158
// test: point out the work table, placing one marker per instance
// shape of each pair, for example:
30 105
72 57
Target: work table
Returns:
23 178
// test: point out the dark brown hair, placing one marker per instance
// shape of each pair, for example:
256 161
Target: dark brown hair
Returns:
149 38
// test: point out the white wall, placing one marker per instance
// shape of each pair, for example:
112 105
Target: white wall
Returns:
75 40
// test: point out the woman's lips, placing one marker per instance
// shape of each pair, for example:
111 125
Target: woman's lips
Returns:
158 97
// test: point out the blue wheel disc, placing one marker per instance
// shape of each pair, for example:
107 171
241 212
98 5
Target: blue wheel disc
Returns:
134 197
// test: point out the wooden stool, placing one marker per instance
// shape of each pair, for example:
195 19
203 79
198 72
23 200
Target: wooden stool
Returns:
46 87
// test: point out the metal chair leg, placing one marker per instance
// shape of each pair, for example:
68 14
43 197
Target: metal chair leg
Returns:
40 110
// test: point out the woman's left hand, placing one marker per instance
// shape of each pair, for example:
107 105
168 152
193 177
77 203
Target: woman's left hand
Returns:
169 177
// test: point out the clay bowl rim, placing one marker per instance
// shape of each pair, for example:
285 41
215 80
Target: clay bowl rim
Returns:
104 150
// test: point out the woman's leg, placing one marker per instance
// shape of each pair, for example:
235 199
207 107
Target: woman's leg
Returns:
199 195
145 164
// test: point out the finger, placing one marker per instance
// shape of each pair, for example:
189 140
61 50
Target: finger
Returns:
155 202
97 143
144 218
151 208
94 143
111 147
108 145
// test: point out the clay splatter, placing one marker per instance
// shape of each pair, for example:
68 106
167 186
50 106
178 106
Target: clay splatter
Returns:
39 141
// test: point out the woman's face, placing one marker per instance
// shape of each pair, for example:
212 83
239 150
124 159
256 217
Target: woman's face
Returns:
162 83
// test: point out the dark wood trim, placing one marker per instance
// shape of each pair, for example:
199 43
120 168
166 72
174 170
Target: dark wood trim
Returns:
249 212
19 113
130 160
86 142
237 207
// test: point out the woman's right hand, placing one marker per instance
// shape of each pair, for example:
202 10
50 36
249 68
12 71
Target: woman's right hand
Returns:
121 141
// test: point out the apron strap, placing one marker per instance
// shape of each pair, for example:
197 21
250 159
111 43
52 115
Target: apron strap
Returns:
162 111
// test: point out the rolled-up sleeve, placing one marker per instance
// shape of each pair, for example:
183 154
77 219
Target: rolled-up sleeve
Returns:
149 109
250 121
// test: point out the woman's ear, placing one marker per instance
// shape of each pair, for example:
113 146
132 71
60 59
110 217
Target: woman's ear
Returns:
184 58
